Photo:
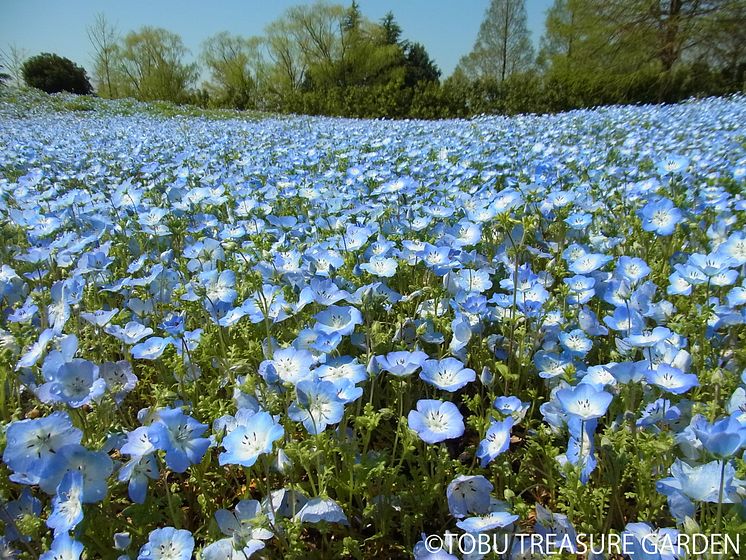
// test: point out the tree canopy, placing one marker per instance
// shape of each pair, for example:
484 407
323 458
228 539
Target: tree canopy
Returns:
53 74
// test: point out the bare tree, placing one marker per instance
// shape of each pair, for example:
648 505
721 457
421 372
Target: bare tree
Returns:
12 59
104 39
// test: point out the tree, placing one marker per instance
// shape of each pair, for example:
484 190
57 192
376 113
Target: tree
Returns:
234 63
391 29
503 46
419 66
150 65
12 59
104 39
53 74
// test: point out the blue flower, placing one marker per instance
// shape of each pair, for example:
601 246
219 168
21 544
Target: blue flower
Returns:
317 405
489 522
94 466
700 483
436 421
671 379
151 349
63 548
336 319
723 438
131 333
495 442
448 374
660 217
402 363
468 495
168 543
584 401
75 383
31 444
322 509
67 507
246 442
178 435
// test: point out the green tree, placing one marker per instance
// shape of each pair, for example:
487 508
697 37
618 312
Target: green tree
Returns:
151 66
234 64
53 74
503 46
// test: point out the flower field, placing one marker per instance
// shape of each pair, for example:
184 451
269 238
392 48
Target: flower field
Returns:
305 337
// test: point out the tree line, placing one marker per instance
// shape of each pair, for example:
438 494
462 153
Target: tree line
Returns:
330 59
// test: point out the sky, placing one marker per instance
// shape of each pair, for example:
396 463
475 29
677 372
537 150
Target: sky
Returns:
447 28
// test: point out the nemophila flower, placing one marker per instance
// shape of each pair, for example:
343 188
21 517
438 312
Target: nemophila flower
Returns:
556 524
625 319
317 405
288 365
660 217
448 374
245 443
671 379
31 444
723 438
151 349
119 378
495 442
321 509
581 289
579 220
35 351
435 421
137 472
75 383
469 280
672 164
67 507
323 291
469 495
584 401
550 364
64 547
646 543
580 447
423 549
699 483
437 258
649 338
402 363
337 319
384 267
167 544
490 522
342 368
660 411
575 343
101 317
131 333
511 406
244 528
734 248
632 269
179 436
589 262
94 466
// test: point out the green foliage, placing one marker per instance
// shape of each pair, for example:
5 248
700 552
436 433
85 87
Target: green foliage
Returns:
150 66
52 73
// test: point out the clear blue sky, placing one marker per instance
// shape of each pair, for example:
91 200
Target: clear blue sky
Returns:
447 28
